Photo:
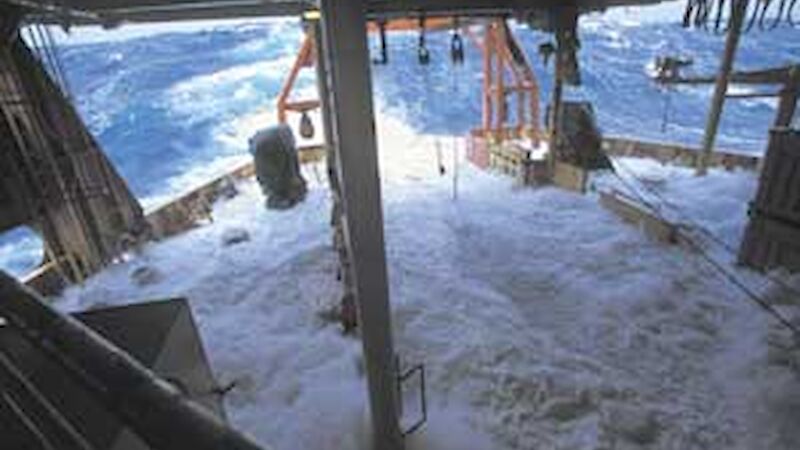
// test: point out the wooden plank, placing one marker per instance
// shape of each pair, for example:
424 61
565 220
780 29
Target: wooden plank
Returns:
46 279
654 227
569 177
311 154
676 154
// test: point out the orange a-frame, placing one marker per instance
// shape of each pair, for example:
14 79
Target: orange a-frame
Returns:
507 72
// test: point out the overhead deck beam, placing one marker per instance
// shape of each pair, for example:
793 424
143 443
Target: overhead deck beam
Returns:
108 12
780 75
486 7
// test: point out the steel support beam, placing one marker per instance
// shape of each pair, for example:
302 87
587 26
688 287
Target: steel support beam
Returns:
723 78
111 12
344 27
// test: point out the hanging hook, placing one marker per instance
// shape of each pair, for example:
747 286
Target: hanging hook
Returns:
457 44
384 58
547 50
423 54
306 126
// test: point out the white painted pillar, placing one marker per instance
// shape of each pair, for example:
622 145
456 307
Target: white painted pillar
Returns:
345 46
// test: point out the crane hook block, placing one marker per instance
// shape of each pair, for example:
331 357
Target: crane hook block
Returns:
306 126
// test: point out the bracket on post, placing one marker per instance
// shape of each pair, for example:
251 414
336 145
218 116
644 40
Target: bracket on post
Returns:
403 377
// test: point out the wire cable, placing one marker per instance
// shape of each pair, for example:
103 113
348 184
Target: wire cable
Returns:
719 267
711 16
696 226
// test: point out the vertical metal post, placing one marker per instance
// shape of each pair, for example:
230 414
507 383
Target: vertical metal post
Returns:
723 77
345 43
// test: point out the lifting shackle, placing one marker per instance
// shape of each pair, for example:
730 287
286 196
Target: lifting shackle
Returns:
423 54
306 126
457 44
384 55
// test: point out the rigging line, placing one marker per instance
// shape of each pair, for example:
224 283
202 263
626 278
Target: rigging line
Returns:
754 14
735 281
456 92
728 275
56 51
27 422
693 225
35 47
701 19
634 191
778 16
55 56
44 55
718 22
790 14
13 372
762 18
691 6
687 217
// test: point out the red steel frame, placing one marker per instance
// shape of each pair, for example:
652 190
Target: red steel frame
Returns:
503 76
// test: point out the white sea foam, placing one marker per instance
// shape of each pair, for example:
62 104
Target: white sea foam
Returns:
542 319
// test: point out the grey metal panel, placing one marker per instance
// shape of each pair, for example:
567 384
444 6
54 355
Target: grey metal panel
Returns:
161 335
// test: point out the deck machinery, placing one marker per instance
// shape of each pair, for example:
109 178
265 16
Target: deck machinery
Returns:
86 211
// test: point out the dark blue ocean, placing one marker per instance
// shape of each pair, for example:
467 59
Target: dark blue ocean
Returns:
174 108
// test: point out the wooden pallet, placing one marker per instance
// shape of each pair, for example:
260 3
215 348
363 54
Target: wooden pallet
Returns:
772 238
